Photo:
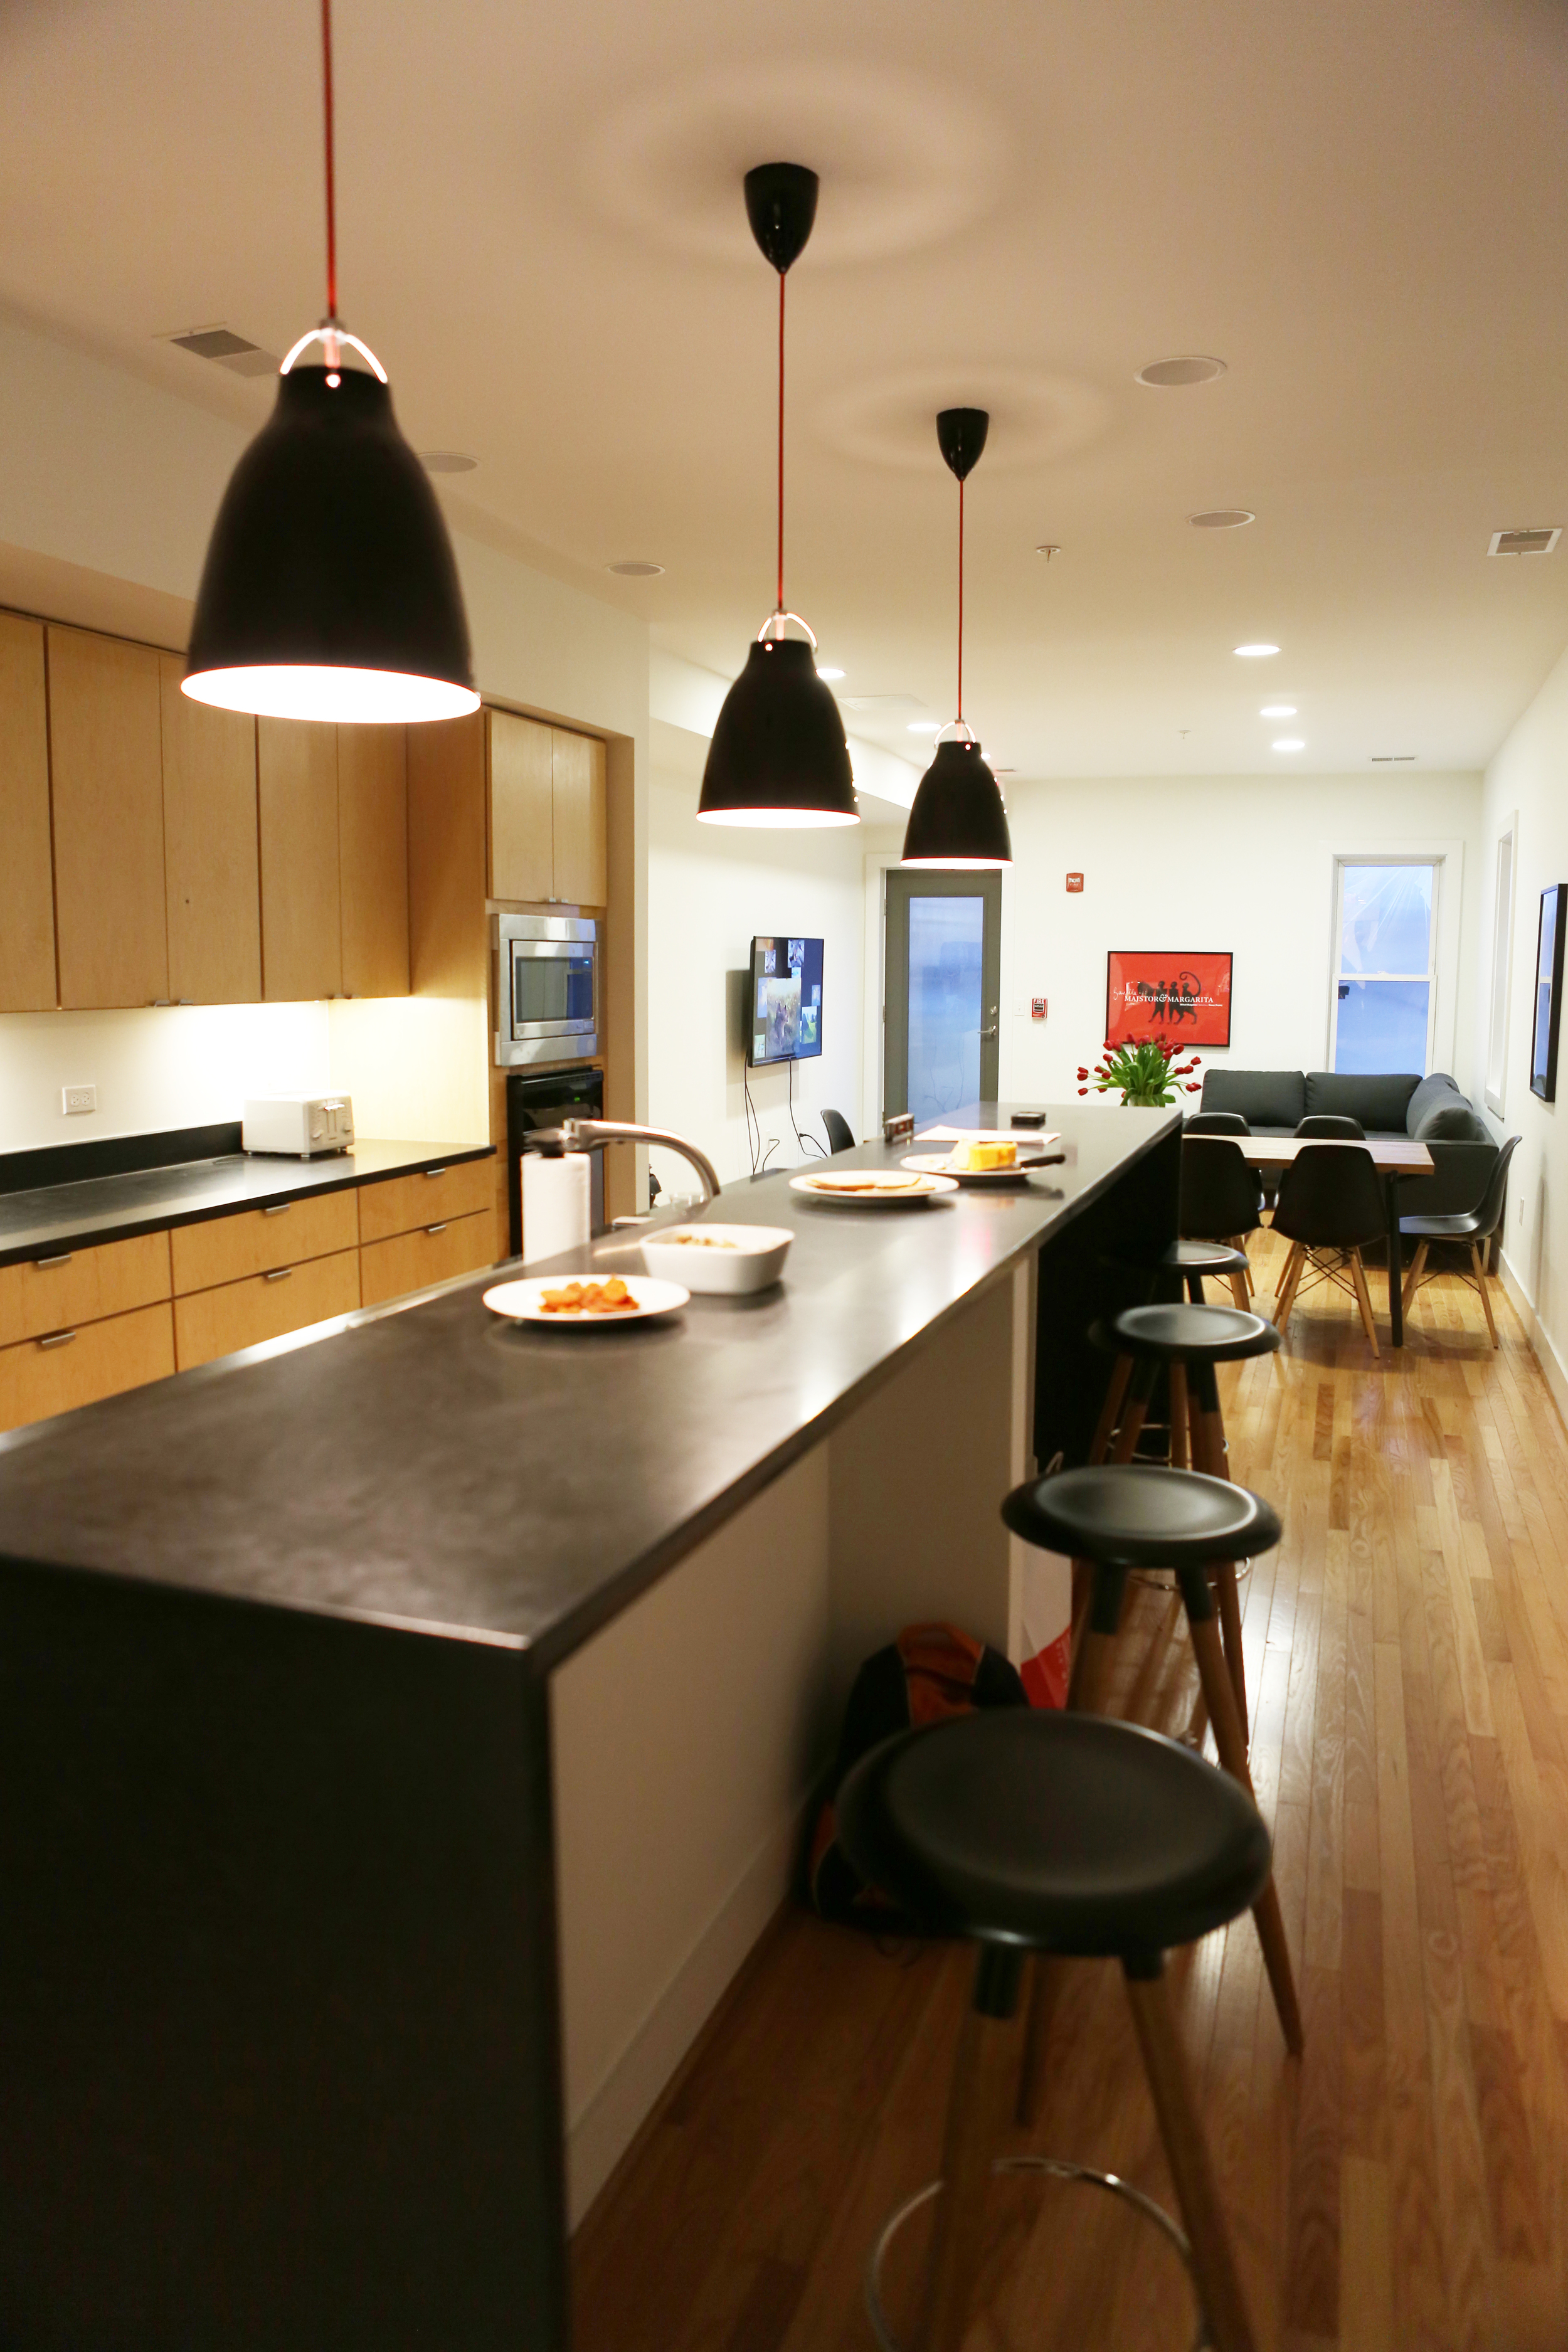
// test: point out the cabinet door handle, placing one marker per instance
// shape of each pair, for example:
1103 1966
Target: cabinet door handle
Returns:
279 1209
278 1274
57 1340
435 1171
438 1229
64 1259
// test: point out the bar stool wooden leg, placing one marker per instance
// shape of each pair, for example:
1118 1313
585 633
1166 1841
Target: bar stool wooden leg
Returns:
1176 1375
1121 1373
1187 2151
1135 1411
1209 1453
1048 1981
977 2112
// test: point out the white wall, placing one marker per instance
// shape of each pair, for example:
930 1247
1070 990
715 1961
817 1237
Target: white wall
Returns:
1238 863
184 1065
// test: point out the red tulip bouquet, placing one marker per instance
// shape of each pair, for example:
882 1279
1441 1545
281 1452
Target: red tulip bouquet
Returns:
1144 1071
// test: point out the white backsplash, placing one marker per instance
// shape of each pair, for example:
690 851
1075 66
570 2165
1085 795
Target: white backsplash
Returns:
175 1065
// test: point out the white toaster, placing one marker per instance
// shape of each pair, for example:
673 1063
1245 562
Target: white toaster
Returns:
299 1125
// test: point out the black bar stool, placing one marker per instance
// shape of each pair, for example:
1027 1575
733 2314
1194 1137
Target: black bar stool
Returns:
1197 1262
1038 1833
1186 1343
1123 1517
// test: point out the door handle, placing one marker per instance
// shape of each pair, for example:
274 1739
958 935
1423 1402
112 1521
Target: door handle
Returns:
435 1171
57 1340
279 1209
988 1032
435 1229
64 1259
280 1273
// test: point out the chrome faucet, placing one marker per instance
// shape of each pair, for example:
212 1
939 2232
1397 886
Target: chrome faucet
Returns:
581 1134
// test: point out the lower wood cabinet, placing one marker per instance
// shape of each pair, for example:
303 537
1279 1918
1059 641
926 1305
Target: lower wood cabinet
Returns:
209 1323
433 1253
402 1203
66 1369
69 1286
256 1241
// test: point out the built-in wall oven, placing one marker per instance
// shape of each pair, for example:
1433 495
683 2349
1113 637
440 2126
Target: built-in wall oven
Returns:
542 1098
546 987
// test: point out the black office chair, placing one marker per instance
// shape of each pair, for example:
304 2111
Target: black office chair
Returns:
1221 1196
1331 1205
836 1127
1216 1122
1473 1225
1331 1125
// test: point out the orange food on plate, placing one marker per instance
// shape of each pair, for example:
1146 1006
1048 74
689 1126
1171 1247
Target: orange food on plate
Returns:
610 1298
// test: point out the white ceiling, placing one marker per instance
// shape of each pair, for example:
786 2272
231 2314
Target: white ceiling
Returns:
1361 206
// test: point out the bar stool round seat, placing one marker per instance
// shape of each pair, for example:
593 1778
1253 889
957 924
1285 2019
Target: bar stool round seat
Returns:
1206 1257
1185 1334
1121 1521
1065 1834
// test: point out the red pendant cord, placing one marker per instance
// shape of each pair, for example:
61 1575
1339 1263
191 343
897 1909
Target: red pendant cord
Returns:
960 601
780 602
331 191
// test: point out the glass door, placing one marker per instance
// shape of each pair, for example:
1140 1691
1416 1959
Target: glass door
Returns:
942 975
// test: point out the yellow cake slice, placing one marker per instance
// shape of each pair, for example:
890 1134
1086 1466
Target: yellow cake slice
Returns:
983 1158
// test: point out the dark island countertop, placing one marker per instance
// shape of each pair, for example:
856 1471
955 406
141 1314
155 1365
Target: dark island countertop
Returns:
432 1465
149 1200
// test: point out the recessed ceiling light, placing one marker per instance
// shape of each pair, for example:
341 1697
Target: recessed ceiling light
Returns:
1290 743
634 570
822 672
1256 652
447 461
1192 368
1277 710
1222 519
925 727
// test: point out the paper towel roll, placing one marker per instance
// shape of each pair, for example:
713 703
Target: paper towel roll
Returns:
556 1203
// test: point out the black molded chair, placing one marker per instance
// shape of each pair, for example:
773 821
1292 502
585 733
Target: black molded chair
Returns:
1216 1122
1222 1196
1331 1205
836 1127
1475 1225
1331 1125
1032 1831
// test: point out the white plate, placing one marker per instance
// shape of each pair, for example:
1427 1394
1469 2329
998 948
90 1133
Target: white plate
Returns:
890 1191
934 1164
519 1301
750 1257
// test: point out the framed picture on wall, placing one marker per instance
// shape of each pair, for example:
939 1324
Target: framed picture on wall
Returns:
1549 945
1183 997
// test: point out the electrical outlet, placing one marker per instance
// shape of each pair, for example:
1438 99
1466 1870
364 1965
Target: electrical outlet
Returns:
76 1099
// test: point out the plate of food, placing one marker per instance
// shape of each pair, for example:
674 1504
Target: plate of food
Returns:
985 1161
873 1188
576 1305
717 1258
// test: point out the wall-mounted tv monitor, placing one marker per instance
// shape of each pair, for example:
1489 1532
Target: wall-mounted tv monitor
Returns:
786 1000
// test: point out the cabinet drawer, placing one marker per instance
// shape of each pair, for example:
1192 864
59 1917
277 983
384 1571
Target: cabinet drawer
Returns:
409 1261
209 1323
65 1287
227 1249
407 1202
98 1359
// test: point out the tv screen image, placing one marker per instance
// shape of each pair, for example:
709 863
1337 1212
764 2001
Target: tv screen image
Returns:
786 1000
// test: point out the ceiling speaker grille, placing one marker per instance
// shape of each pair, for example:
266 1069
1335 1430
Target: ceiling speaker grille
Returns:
1525 542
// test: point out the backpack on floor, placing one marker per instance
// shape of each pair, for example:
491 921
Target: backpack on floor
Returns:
928 1672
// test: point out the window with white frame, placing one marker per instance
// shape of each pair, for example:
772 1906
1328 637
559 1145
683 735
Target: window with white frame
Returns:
1384 997
1502 968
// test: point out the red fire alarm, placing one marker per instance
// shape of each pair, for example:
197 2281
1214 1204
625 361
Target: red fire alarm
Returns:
1075 881
1037 1008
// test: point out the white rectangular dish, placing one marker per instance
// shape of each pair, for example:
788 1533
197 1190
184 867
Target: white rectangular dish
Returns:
722 1259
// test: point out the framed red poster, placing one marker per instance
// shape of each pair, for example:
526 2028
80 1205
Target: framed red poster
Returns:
1184 998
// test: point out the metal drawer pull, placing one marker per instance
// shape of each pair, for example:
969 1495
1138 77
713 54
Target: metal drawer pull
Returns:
437 1229
57 1340
279 1209
435 1171
278 1274
63 1259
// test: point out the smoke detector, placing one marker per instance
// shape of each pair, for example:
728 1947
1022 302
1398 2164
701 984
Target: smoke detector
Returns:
1525 542
236 353
635 568
1222 519
1192 367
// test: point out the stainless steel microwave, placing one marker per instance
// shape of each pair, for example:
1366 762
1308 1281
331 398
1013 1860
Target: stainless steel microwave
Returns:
547 988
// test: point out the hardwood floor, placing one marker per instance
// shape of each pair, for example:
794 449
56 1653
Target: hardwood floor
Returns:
1406 2183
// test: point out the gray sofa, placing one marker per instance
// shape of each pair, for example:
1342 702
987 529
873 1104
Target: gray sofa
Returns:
1432 1110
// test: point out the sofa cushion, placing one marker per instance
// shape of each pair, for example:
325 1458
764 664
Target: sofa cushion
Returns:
1263 1098
1439 1088
1379 1100
1451 1122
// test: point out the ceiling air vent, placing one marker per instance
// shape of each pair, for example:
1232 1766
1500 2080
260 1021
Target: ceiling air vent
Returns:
1390 758
1525 542
229 350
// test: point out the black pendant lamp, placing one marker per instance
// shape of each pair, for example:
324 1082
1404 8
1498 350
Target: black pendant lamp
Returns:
778 755
329 590
957 817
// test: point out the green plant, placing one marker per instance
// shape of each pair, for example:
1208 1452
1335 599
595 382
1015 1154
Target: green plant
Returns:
1144 1071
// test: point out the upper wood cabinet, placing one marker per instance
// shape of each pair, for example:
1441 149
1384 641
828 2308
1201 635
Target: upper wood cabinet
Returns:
302 917
107 771
28 980
210 867
547 812
373 842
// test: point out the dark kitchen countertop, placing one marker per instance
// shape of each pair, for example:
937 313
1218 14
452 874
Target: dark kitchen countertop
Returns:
149 1200
431 1465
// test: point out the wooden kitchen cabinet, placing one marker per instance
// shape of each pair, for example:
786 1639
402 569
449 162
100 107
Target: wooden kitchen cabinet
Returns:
254 1241
212 882
577 792
402 1202
107 792
67 1369
522 857
209 1323
64 1287
372 845
301 917
434 1254
27 983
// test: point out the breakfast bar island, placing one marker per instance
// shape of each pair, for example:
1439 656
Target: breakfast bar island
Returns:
408 1728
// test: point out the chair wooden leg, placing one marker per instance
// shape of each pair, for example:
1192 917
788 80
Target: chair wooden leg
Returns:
1412 1278
1238 1290
1176 1376
1170 2085
1238 1241
1481 1266
1230 1739
1363 1298
1285 1298
1121 1373
977 2112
